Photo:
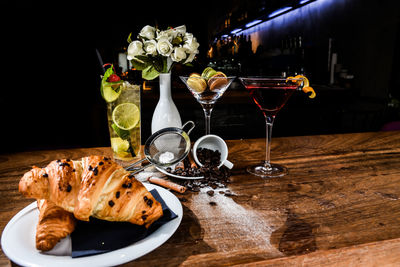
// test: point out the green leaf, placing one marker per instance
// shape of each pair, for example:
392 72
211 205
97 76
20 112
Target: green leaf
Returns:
124 134
108 73
104 82
150 73
138 64
158 64
144 59
129 38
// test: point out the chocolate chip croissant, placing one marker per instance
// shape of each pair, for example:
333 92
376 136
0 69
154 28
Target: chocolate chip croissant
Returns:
94 186
54 224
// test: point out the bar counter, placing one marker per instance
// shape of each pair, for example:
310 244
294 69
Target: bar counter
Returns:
338 206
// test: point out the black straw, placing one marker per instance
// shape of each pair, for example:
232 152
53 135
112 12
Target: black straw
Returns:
100 61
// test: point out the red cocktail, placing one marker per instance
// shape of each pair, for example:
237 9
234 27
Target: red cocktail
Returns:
270 95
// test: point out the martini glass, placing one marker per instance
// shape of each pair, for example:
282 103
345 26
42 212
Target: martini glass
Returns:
270 94
207 92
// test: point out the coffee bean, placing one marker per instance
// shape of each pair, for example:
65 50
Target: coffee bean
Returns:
214 177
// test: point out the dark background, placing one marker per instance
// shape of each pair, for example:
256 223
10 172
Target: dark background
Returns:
50 74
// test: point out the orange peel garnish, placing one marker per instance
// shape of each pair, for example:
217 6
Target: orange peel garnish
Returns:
299 79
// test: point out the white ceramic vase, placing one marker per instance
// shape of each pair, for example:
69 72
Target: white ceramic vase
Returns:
165 114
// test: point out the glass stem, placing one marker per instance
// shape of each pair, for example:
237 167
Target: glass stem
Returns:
207 115
269 120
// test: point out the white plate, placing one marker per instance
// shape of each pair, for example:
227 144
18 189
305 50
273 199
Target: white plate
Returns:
178 176
18 239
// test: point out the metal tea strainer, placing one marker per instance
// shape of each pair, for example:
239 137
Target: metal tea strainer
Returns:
166 147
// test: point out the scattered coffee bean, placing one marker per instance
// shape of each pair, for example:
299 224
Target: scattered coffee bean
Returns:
210 193
182 199
212 203
214 177
228 193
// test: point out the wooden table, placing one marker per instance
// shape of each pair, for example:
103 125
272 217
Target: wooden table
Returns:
339 205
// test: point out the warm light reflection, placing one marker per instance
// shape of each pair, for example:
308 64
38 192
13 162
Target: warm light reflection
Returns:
145 88
210 52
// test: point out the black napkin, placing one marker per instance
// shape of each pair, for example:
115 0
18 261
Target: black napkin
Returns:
98 236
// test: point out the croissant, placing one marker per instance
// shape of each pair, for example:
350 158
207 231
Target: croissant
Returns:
54 224
94 186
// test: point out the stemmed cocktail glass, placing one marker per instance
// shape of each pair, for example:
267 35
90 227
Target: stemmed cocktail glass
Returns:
270 94
207 92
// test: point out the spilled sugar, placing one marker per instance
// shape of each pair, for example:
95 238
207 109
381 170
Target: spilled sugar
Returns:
236 223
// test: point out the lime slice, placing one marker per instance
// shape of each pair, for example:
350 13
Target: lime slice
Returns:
120 146
109 94
126 116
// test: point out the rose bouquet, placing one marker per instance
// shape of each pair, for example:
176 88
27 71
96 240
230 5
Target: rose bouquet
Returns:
156 51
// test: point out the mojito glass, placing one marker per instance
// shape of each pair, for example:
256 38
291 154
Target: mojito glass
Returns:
123 113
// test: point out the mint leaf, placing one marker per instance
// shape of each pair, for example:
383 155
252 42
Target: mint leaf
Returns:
108 73
104 82
124 134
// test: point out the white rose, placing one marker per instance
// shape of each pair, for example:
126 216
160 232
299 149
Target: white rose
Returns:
164 47
174 32
164 35
188 36
148 32
180 30
150 47
135 49
190 58
179 54
191 45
